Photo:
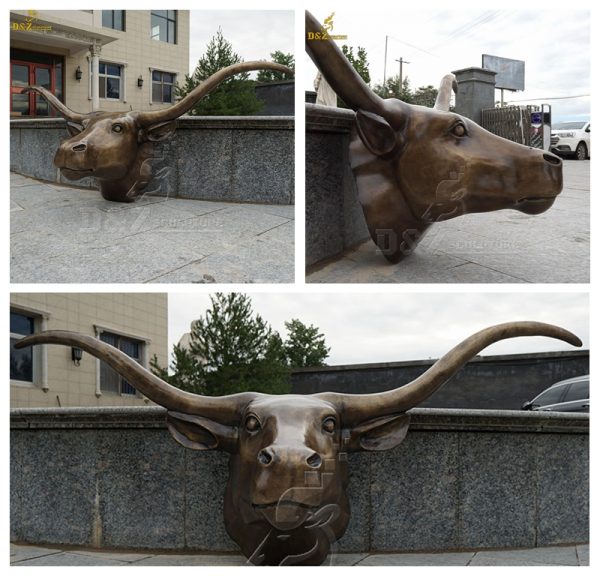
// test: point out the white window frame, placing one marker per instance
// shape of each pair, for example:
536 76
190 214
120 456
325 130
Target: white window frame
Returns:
123 66
176 21
40 353
99 330
175 74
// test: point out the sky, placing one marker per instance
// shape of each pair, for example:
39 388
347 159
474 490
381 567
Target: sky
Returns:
390 327
554 43
254 34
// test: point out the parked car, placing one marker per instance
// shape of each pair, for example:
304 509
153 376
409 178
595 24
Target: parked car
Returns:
572 395
571 139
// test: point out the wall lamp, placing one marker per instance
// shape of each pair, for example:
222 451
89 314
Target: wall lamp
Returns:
78 73
76 355
140 81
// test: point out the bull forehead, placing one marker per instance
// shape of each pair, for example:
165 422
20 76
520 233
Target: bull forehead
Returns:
425 121
291 410
104 118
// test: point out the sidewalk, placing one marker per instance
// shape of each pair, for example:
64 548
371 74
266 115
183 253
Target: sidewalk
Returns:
67 234
502 246
21 555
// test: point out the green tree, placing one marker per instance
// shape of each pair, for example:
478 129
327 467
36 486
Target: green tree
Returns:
305 346
266 76
234 97
359 63
391 89
231 350
425 96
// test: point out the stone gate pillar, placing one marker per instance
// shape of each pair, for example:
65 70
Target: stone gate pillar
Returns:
476 91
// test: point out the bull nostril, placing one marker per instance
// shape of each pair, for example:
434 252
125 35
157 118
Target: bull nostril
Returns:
314 461
79 148
265 458
552 159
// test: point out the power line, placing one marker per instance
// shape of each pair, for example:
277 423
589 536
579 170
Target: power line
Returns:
551 98
413 46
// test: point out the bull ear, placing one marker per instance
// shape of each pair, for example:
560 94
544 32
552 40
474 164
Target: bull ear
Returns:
378 434
375 132
200 433
158 132
74 128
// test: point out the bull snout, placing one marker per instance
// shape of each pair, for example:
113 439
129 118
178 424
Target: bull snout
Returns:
79 147
273 455
552 159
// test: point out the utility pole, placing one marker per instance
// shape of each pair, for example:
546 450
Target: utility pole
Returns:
401 61
385 60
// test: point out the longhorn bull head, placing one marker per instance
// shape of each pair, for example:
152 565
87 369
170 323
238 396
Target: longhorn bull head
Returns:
415 166
116 147
285 501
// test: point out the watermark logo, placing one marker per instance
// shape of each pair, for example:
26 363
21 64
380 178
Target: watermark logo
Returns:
29 24
326 31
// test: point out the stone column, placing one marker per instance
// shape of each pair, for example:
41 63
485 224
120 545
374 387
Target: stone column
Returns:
95 50
476 91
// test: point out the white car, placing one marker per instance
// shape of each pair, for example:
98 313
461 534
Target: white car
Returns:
571 138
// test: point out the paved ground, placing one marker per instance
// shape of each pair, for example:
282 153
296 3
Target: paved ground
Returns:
66 234
552 556
503 246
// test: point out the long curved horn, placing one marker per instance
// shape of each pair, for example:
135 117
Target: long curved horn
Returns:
340 74
65 112
447 85
355 408
224 409
185 104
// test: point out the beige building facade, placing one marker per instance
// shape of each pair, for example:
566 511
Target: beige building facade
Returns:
110 60
53 376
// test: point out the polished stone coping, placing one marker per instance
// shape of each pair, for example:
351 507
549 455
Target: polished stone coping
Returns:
328 119
433 419
186 122
429 362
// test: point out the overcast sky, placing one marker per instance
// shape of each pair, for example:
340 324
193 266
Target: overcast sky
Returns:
254 34
387 327
554 43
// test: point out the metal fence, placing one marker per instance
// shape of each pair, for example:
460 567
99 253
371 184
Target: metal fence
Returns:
511 122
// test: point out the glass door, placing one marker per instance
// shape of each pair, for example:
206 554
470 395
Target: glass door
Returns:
19 80
23 74
42 77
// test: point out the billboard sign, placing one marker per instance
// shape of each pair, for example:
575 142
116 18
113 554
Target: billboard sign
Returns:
510 74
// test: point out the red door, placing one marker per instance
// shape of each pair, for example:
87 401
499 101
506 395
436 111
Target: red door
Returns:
23 74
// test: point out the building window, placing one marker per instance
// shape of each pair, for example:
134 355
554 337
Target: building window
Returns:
163 25
114 19
110 381
110 81
162 86
21 361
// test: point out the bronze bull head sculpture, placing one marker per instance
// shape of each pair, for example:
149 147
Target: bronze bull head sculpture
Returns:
285 501
415 166
116 147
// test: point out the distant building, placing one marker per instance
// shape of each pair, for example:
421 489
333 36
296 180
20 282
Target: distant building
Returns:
49 375
97 59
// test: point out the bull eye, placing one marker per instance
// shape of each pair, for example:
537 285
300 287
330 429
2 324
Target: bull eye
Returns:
117 128
459 130
329 425
252 424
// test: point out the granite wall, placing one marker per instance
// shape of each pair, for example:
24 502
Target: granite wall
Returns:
277 98
236 159
114 478
502 382
334 218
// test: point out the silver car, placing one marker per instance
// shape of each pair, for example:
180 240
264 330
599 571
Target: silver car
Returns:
572 395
